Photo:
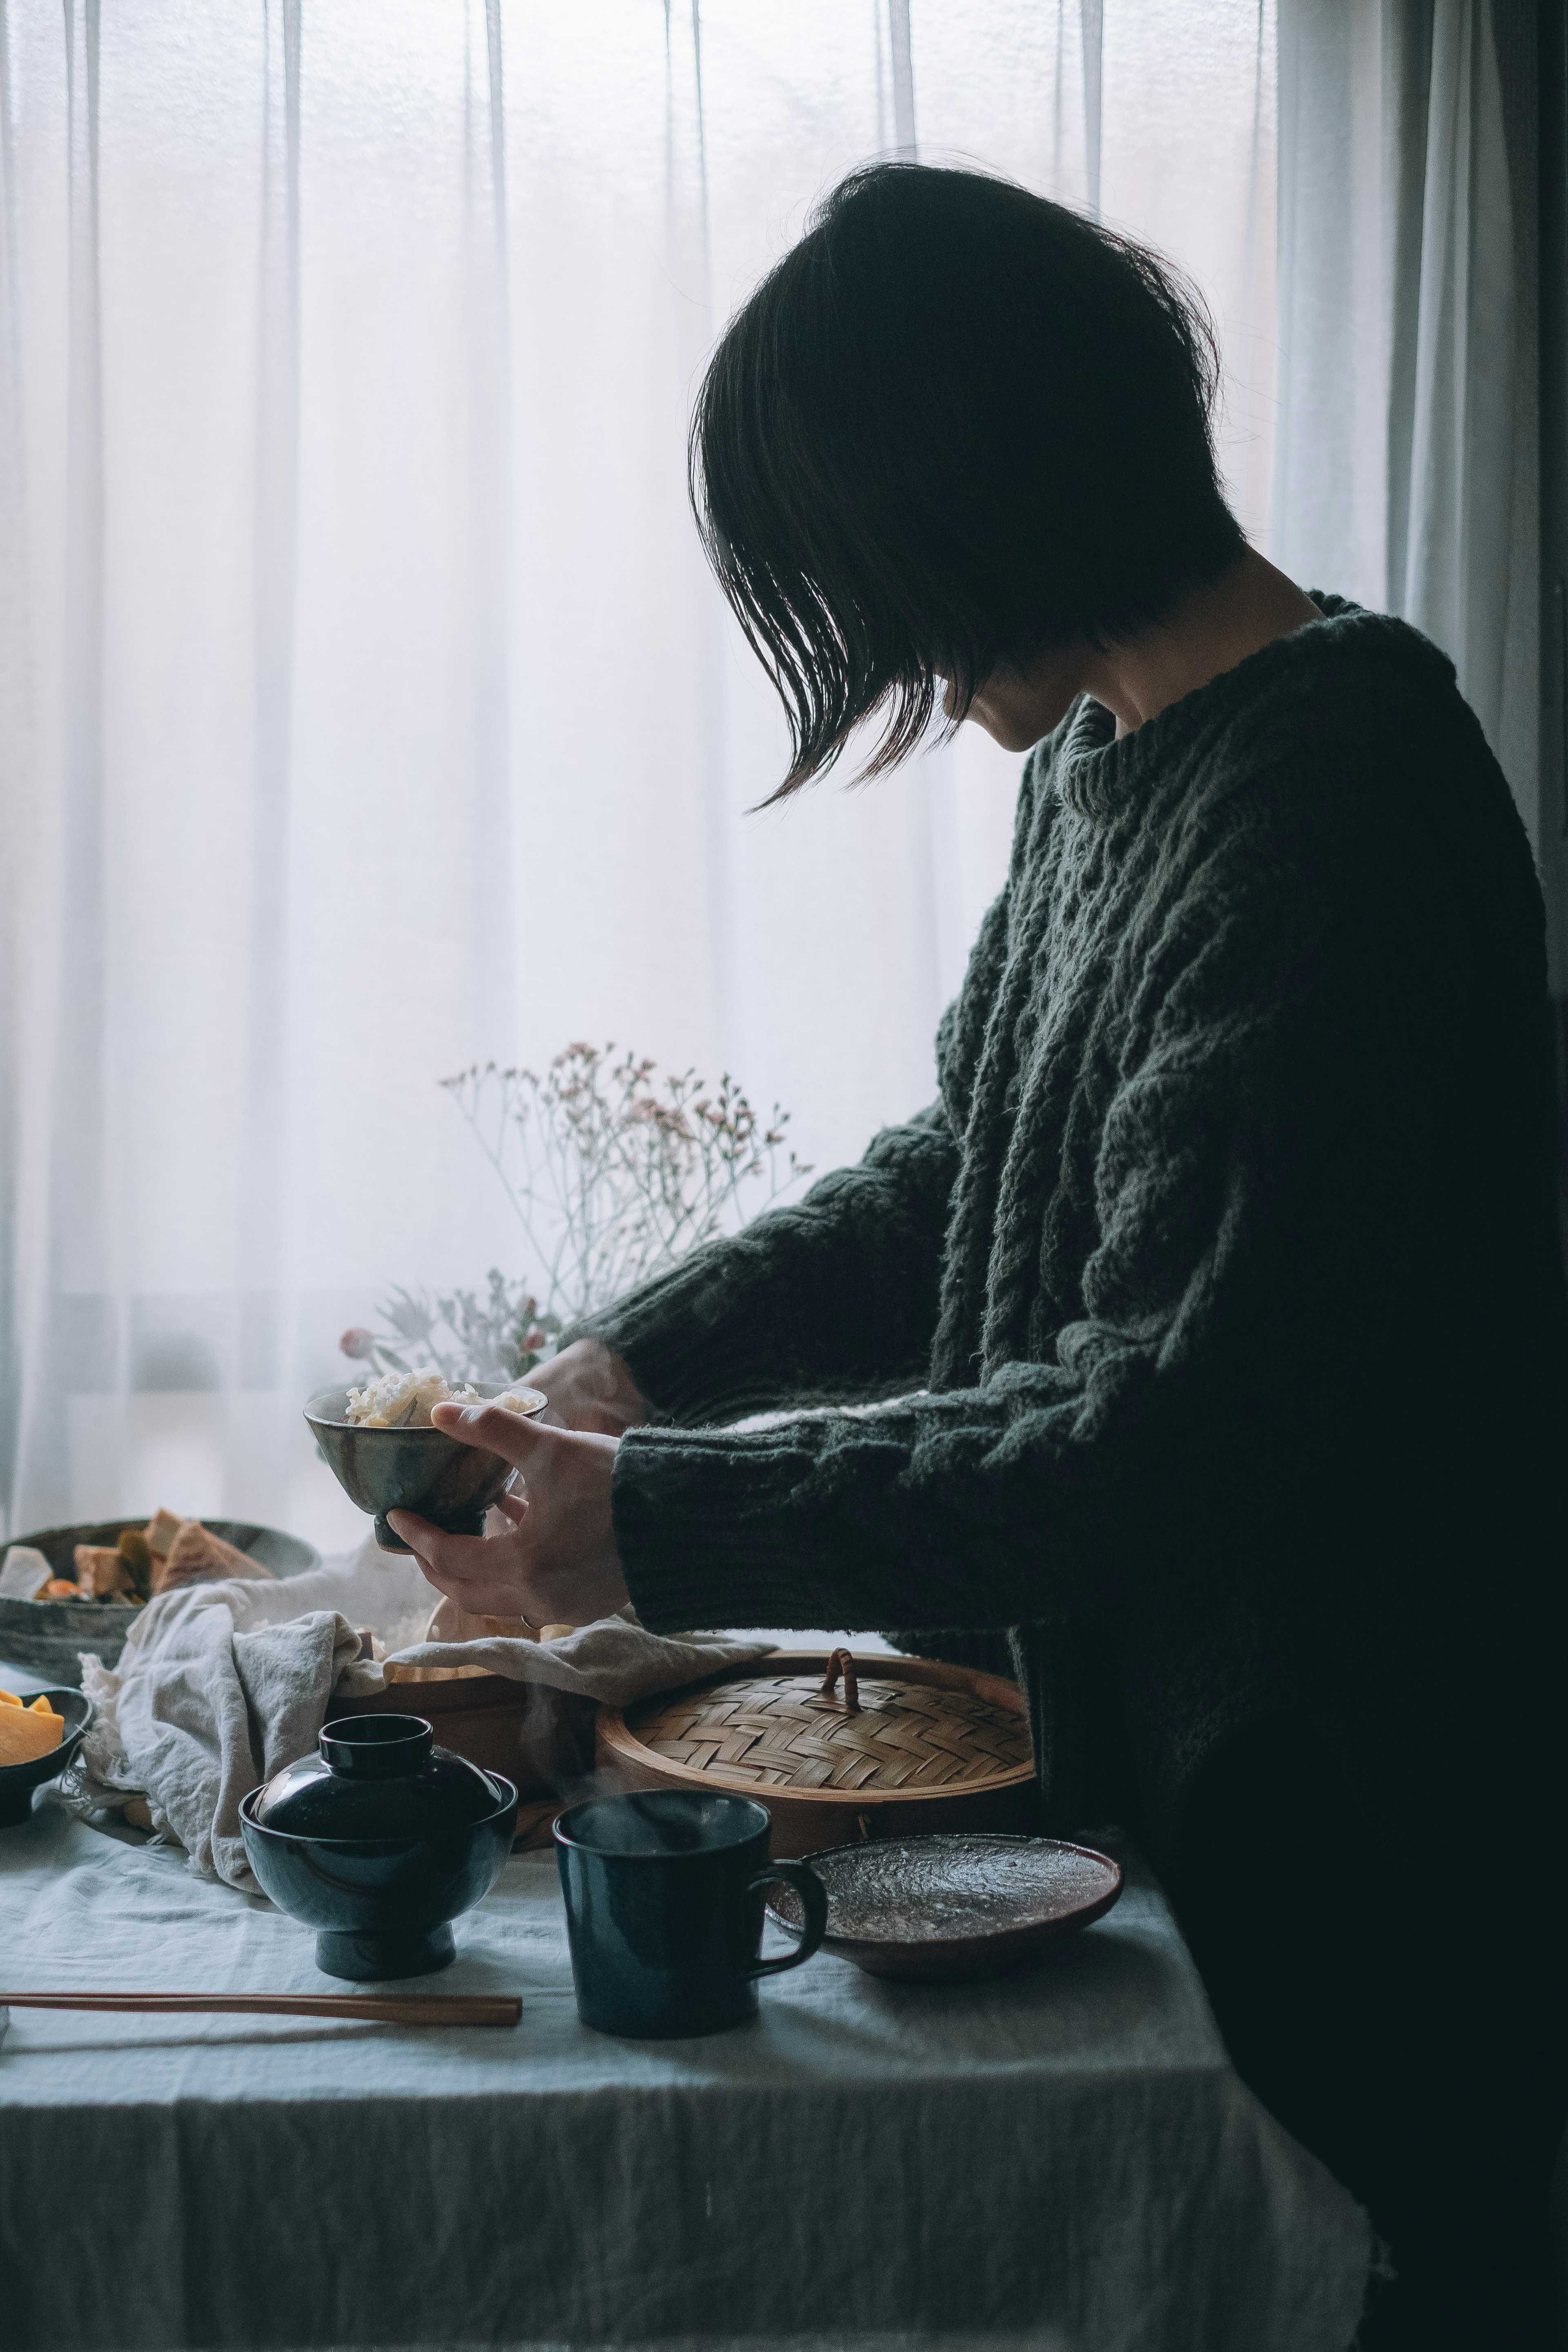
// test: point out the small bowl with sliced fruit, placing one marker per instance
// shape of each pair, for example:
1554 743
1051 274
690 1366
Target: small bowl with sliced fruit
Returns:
40 1731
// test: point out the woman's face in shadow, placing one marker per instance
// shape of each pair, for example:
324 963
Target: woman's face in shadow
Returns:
1018 707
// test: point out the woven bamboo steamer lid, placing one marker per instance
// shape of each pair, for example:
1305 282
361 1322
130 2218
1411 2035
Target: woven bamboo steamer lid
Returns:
891 1747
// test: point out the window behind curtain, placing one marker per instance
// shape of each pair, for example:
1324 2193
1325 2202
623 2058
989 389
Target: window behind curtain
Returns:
366 709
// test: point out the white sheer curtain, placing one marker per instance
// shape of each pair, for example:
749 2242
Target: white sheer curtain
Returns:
364 708
1406 456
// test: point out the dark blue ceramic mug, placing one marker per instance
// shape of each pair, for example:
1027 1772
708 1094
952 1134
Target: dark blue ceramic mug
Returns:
664 1910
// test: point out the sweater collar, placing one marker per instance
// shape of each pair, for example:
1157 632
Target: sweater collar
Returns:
1095 772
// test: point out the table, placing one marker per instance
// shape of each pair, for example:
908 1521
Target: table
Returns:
1060 2160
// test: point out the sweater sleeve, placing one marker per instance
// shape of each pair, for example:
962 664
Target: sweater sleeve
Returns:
835 1294
1068 1485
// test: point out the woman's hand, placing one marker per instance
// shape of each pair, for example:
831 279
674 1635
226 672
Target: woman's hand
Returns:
589 1387
558 1564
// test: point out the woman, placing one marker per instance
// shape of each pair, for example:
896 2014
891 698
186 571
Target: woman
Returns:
1217 1299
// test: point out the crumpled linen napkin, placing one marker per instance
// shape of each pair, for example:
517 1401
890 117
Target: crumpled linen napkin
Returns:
613 1661
220 1685
196 1720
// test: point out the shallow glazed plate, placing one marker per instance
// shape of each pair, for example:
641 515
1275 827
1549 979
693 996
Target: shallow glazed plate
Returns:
949 1910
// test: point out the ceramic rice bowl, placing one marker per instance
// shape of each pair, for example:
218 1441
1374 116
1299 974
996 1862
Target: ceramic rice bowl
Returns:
420 1470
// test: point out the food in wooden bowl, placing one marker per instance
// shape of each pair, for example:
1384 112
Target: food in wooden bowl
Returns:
67 1590
141 1561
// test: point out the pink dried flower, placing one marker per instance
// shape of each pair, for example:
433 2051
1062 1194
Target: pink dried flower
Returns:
357 1342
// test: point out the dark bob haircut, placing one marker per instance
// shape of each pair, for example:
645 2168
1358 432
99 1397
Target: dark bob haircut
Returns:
956 425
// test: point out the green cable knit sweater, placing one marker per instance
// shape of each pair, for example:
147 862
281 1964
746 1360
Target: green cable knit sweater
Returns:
1217 1300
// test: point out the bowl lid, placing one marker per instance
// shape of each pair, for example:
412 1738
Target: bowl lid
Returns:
875 1732
376 1776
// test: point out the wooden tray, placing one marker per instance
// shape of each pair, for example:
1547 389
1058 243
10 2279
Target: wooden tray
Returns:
895 1747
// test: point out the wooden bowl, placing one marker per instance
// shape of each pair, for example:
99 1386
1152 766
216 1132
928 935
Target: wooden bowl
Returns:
906 1745
954 1910
47 1637
539 1739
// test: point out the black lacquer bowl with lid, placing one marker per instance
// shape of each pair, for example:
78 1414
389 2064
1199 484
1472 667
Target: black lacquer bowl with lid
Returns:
379 1841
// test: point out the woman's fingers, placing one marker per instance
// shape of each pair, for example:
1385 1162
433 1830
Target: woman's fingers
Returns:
557 1562
458 1558
543 1455
481 1573
506 1434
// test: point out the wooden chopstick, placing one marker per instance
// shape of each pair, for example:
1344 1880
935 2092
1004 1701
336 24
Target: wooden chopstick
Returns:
385 2007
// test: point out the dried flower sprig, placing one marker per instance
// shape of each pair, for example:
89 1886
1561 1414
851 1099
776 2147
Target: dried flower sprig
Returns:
466 1338
613 1174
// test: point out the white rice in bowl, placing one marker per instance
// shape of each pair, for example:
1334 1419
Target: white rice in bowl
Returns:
402 1400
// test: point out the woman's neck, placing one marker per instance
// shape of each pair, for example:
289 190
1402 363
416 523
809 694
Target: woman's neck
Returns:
1212 629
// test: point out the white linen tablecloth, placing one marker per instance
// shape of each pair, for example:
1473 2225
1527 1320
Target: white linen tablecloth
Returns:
1064 2159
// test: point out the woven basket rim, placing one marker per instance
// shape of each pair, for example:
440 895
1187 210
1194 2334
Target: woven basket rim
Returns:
870 1666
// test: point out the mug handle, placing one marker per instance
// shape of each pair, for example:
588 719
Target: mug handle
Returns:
813 1902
